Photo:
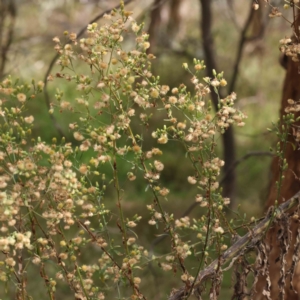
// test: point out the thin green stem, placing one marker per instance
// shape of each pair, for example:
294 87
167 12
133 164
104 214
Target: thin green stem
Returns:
81 282
210 216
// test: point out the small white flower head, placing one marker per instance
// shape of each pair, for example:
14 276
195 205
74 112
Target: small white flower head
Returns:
223 82
198 67
21 97
203 203
157 215
181 125
184 277
166 267
137 280
146 45
148 154
219 230
198 198
131 224
83 169
174 90
131 112
224 247
131 241
188 137
151 222
29 119
163 139
10 262
78 136
56 40
192 180
164 192
36 260
156 151
158 165
154 93
135 27
164 89
215 82
199 236
173 100
191 107
226 201
154 135
214 186
131 176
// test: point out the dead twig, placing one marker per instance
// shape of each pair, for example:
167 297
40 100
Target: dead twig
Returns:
241 246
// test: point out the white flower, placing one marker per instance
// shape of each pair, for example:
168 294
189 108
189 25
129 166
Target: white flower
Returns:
135 27
192 180
157 215
154 134
219 230
215 83
158 165
163 139
151 222
131 224
29 119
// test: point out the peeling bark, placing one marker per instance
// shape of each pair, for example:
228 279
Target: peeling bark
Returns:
290 185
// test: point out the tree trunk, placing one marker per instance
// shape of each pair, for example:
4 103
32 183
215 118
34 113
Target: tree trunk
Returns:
8 11
290 185
228 136
155 20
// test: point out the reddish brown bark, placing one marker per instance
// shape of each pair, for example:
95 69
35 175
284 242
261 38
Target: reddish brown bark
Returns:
290 185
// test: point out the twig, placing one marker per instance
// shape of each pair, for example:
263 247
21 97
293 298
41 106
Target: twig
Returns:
243 245
243 158
232 15
92 235
195 204
158 3
242 42
79 34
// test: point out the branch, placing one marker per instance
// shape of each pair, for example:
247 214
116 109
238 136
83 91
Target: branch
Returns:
195 204
243 158
244 244
243 40
241 47
79 34
232 15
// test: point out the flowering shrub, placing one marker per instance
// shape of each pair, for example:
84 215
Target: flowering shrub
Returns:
53 203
